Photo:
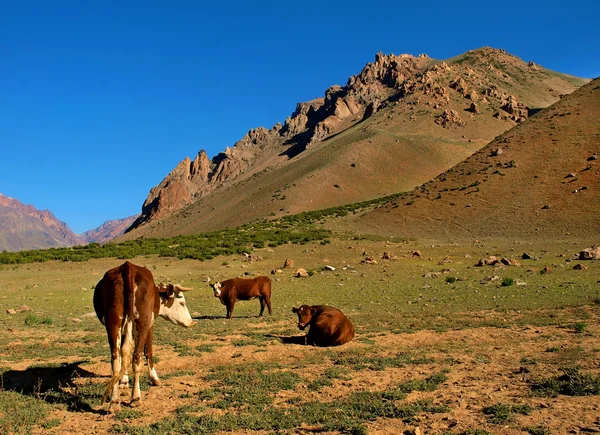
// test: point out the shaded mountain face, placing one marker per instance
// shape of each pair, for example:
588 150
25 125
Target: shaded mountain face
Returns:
399 122
538 181
23 227
108 230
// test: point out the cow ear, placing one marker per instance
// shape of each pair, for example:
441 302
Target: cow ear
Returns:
295 310
167 289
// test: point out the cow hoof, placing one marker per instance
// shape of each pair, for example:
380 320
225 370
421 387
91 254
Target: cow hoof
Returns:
135 403
155 382
114 407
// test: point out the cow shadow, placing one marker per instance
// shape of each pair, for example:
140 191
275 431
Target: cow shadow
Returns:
296 339
54 385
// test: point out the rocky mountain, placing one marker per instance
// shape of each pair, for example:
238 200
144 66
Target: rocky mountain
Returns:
399 122
539 180
108 230
24 227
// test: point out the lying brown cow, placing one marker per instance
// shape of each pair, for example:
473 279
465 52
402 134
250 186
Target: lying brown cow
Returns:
127 302
328 325
244 289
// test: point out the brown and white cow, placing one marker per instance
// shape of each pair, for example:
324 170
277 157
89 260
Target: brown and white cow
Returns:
244 289
127 302
328 325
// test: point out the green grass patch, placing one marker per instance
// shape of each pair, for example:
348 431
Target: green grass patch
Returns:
430 383
34 320
20 413
501 413
571 383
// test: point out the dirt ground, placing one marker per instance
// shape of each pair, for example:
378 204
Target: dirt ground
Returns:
484 366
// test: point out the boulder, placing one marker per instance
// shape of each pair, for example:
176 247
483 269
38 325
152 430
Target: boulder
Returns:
591 253
288 263
449 118
301 273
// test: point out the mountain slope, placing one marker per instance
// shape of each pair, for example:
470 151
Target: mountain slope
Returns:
398 123
25 227
108 230
539 180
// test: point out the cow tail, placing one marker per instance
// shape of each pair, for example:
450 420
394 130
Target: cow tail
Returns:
129 289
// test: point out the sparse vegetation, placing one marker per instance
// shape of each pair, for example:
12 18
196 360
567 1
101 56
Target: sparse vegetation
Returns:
507 282
502 413
571 383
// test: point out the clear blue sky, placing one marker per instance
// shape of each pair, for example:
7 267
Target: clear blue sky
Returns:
100 100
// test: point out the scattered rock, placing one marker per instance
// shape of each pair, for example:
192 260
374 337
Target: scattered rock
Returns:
517 110
11 311
579 266
527 256
368 260
591 158
276 271
301 273
449 118
416 254
546 270
431 275
592 253
328 267
388 256
288 264
473 108
509 262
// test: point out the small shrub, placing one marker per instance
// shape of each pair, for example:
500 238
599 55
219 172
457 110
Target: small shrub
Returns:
33 320
537 430
570 383
579 327
501 413
507 282
450 279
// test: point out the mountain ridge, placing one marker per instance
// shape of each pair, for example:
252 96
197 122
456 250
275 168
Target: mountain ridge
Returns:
25 227
460 104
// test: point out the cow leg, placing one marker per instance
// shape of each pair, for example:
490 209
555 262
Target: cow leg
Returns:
262 306
137 363
230 309
124 381
148 351
268 301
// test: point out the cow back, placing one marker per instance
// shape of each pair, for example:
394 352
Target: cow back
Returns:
123 290
246 288
330 327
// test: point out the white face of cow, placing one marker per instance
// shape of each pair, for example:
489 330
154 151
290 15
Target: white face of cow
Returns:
173 306
217 287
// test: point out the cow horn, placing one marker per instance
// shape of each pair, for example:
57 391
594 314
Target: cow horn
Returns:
178 288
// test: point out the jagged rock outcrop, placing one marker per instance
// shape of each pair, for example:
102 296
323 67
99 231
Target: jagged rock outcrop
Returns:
449 118
518 112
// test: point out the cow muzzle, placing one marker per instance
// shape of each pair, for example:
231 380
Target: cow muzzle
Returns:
302 326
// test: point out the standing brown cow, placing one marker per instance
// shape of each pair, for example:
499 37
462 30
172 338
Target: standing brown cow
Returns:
244 289
127 302
328 325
